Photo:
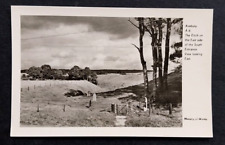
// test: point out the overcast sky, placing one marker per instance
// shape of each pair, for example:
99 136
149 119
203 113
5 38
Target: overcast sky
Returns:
99 43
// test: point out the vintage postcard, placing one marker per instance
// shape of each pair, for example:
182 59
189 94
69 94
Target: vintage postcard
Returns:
79 71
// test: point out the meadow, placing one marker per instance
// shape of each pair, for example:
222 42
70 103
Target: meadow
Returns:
44 103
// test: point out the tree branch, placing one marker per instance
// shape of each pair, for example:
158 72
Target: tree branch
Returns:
164 21
147 30
133 24
177 20
136 47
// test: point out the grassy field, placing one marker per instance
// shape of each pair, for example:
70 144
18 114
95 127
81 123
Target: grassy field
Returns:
160 118
82 85
48 106
111 82
106 82
45 103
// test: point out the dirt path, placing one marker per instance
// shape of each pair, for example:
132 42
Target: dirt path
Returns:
120 121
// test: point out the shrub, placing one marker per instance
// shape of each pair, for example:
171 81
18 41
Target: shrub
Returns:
73 93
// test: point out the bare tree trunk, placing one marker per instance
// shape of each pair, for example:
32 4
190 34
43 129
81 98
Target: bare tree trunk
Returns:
155 58
145 74
143 62
167 50
160 53
141 29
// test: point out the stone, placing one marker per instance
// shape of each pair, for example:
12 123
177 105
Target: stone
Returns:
94 98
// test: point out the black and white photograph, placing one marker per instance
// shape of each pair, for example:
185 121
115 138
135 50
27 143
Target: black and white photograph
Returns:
83 71
135 72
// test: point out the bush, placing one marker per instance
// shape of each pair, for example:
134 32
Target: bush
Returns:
73 93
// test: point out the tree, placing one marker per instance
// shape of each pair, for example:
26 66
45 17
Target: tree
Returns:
167 49
47 71
159 44
35 72
176 46
154 26
151 26
58 74
86 73
141 29
75 73
177 53
93 78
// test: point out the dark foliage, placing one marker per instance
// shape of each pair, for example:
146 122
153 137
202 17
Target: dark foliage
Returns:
73 93
178 51
46 72
176 54
35 72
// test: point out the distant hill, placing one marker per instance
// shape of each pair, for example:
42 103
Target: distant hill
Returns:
102 71
118 71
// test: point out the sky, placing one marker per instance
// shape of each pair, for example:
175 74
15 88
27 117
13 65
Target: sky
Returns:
95 42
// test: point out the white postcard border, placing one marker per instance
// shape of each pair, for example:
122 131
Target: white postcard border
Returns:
203 74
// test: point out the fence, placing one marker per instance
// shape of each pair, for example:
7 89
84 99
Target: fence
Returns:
120 109
34 84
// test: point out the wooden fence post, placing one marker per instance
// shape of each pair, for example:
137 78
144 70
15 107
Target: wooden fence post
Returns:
89 103
38 108
170 108
64 108
114 108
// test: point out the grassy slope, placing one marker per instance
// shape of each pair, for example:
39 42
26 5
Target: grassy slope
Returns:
160 118
111 82
174 89
143 120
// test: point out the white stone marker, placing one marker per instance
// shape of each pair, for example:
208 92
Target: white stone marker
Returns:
94 97
146 104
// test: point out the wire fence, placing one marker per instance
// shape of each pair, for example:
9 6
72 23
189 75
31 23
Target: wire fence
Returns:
45 105
32 85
